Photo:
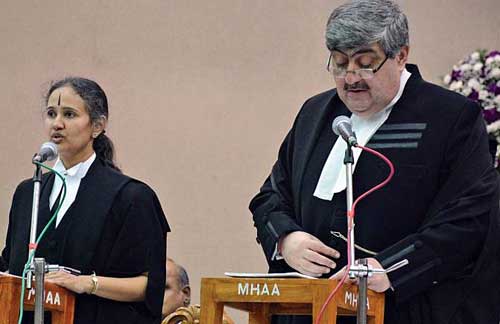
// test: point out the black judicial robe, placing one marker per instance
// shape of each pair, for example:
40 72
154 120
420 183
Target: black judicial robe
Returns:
440 211
115 227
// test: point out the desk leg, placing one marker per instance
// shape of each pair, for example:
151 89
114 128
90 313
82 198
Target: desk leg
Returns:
58 318
260 315
376 319
9 303
330 313
211 312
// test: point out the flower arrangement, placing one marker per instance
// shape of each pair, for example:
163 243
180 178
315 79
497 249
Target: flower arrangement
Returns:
478 78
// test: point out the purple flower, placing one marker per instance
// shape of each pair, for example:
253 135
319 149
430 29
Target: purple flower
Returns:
455 75
493 88
472 74
493 53
474 95
491 115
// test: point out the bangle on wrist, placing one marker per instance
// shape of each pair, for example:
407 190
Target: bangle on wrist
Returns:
95 283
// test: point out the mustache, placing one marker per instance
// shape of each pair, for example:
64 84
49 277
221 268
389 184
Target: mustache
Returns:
356 86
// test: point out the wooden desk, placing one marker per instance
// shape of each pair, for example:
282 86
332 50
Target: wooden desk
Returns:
264 297
59 301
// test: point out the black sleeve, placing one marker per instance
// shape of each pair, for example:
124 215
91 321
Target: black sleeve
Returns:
453 237
4 257
273 206
139 243
17 234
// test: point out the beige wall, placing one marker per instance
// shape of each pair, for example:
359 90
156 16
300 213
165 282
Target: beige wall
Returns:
201 94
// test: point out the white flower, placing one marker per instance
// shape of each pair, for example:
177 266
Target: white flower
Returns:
456 85
474 74
466 91
474 84
466 67
483 94
478 66
495 73
493 126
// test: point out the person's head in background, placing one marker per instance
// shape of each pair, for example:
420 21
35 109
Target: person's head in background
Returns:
75 117
177 290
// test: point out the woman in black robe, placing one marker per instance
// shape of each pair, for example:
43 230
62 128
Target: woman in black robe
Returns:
112 228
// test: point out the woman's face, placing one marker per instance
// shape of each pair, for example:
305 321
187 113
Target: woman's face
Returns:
69 126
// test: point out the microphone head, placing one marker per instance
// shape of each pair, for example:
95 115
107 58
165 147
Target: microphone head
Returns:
48 151
342 126
339 121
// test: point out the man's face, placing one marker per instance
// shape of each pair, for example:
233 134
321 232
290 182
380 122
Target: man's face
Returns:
175 296
365 97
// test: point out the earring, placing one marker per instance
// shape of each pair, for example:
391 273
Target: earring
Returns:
186 301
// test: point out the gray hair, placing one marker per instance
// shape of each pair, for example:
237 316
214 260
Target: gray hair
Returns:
363 22
183 276
182 279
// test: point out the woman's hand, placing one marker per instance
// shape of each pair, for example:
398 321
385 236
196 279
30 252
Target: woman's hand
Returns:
131 289
77 284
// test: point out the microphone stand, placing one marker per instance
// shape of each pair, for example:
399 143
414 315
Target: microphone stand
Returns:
37 266
359 270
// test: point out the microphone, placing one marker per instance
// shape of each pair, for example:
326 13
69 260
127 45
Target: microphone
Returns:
342 126
47 152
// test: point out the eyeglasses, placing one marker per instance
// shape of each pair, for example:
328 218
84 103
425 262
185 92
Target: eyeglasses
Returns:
362 73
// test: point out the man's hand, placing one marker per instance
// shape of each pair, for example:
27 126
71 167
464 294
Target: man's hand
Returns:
378 282
307 254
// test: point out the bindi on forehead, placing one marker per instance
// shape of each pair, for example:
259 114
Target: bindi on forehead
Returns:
65 98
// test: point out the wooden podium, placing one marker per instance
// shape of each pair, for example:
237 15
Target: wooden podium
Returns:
263 297
59 301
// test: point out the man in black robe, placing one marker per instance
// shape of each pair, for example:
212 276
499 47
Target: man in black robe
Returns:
439 212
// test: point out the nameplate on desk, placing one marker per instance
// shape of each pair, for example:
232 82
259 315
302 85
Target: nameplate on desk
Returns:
351 299
50 298
258 289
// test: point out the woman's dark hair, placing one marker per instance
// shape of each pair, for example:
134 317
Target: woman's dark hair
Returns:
96 104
